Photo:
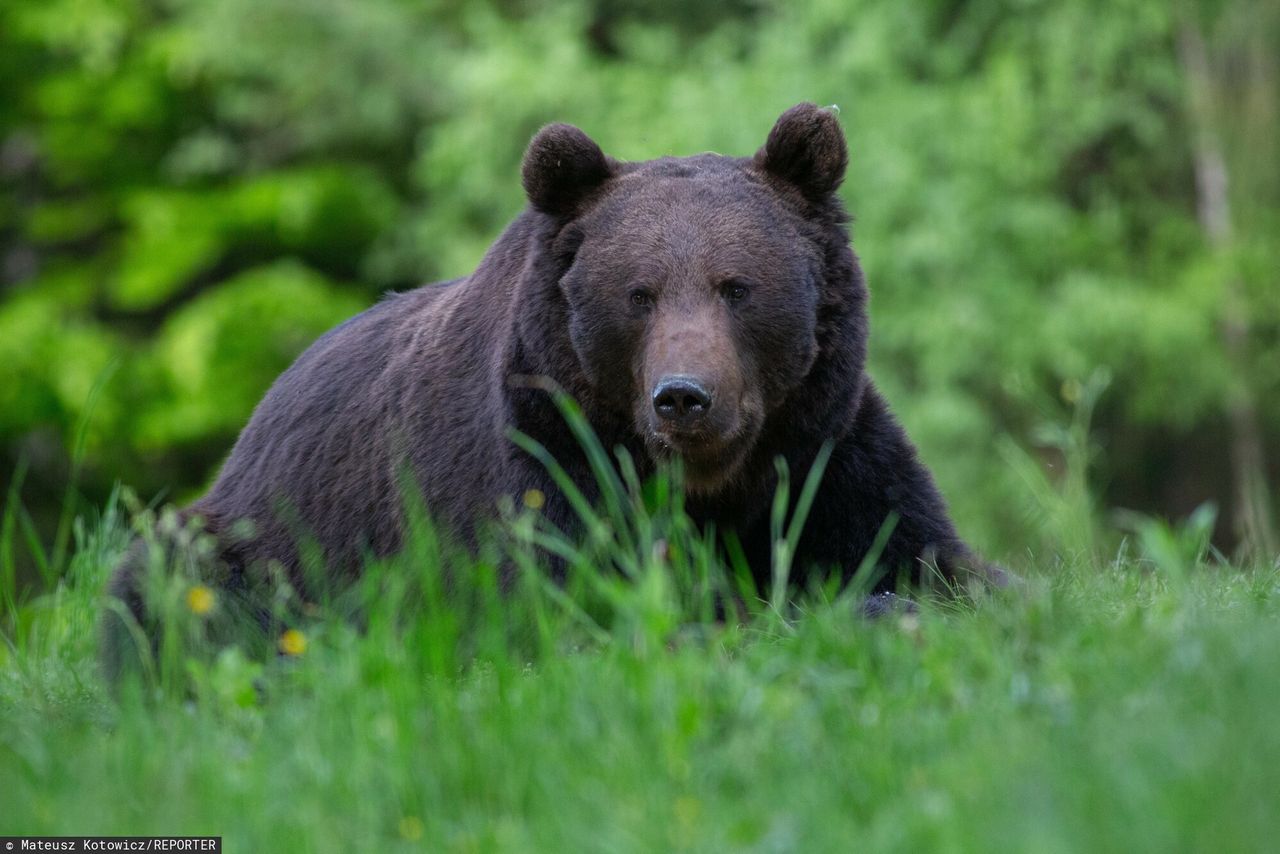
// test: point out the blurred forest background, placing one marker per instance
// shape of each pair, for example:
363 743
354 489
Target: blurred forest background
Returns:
1068 211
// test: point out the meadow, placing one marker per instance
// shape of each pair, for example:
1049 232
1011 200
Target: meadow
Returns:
1124 704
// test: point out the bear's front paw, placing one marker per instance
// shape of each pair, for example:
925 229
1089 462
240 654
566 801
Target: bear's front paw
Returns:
886 604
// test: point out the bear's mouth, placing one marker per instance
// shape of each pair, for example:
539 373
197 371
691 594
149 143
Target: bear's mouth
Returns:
709 460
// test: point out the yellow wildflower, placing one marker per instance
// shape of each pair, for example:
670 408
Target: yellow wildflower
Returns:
200 600
293 642
534 499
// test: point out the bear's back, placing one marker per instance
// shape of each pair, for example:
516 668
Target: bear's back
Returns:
317 459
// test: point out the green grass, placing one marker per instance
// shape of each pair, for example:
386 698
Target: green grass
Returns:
1127 705
1101 709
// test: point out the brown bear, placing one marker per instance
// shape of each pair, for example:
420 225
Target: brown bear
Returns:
708 308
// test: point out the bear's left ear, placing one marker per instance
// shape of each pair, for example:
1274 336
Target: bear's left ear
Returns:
561 167
806 148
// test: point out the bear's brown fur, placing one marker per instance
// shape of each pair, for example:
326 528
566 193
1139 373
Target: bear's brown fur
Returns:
708 307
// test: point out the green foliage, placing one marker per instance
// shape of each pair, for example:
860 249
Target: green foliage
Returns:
193 191
1176 551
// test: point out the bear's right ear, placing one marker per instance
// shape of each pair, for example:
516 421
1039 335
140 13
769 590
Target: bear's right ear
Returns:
806 148
561 167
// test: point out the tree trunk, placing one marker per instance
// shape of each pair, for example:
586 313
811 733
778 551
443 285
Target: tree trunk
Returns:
1252 512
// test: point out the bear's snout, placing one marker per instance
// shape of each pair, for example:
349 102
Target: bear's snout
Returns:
693 381
681 401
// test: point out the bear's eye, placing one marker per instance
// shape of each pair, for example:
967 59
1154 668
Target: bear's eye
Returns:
734 291
641 298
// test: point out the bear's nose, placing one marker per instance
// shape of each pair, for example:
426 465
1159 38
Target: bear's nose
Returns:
680 400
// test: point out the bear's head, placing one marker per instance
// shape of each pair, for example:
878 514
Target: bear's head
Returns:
709 301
